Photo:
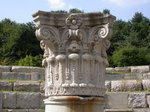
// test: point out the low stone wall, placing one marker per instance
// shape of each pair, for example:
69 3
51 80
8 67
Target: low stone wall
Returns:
21 110
124 100
24 88
18 100
21 73
127 85
27 86
126 76
132 69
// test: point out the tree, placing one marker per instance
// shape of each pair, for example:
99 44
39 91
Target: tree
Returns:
75 10
17 41
59 11
131 56
120 30
106 11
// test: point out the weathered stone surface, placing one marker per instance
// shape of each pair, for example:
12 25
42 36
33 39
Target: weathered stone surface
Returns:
27 86
114 77
35 76
5 68
1 99
117 86
146 84
23 76
36 110
9 100
148 100
133 76
141 110
108 85
17 110
117 100
137 100
6 86
27 69
139 69
28 100
9 75
123 69
3 110
146 75
42 84
133 85
42 97
21 110
110 70
118 110
126 85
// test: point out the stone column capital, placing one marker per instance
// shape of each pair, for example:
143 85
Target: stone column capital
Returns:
75 55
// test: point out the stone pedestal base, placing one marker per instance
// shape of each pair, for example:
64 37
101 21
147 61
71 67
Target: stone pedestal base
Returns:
74 104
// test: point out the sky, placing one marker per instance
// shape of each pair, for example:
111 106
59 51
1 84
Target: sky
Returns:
21 10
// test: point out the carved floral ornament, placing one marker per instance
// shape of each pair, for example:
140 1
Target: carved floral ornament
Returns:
73 21
74 56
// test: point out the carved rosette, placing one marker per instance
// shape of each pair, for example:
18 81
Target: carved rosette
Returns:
75 55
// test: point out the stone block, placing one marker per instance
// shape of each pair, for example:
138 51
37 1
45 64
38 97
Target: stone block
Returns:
140 69
28 100
24 76
35 76
114 77
9 100
126 85
6 86
148 100
117 86
36 110
27 69
108 85
42 97
133 85
146 84
110 70
1 99
33 86
137 100
133 76
42 84
117 100
3 110
18 110
0 75
146 75
141 110
118 110
9 75
123 69
5 68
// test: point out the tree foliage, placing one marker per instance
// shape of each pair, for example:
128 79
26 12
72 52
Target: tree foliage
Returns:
130 41
17 41
130 56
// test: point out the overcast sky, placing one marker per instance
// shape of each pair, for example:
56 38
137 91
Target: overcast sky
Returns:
21 10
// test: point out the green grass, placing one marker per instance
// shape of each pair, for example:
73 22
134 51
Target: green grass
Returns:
143 91
120 73
19 91
8 80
